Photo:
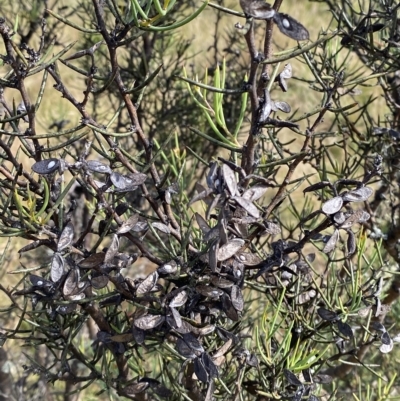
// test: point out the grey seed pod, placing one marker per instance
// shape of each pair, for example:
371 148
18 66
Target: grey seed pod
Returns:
21 109
257 9
290 27
47 166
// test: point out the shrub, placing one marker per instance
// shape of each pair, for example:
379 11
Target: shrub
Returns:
184 240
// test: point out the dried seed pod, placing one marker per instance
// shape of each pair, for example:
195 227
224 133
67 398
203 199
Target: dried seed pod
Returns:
358 195
285 74
223 349
248 206
238 271
140 226
82 285
307 375
379 130
137 179
98 167
351 243
351 218
378 326
237 298
209 365
291 378
327 314
205 331
47 166
192 342
212 175
396 338
103 337
184 349
139 335
333 205
331 244
299 394
21 109
57 268
170 267
101 184
175 322
212 233
161 227
339 218
394 134
112 250
92 261
304 297
386 348
128 224
66 309
186 327
99 281
230 179
177 317
364 217
135 388
257 9
252 360
283 106
287 71
38 281
66 237
213 254
345 329
289 271
248 259
71 282
167 197
213 204
226 335
120 181
265 108
204 227
290 27
385 338
255 193
230 249
148 283
209 291
228 308
218 361
272 228
221 282
121 208
179 299
282 83
200 370
157 387
148 322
